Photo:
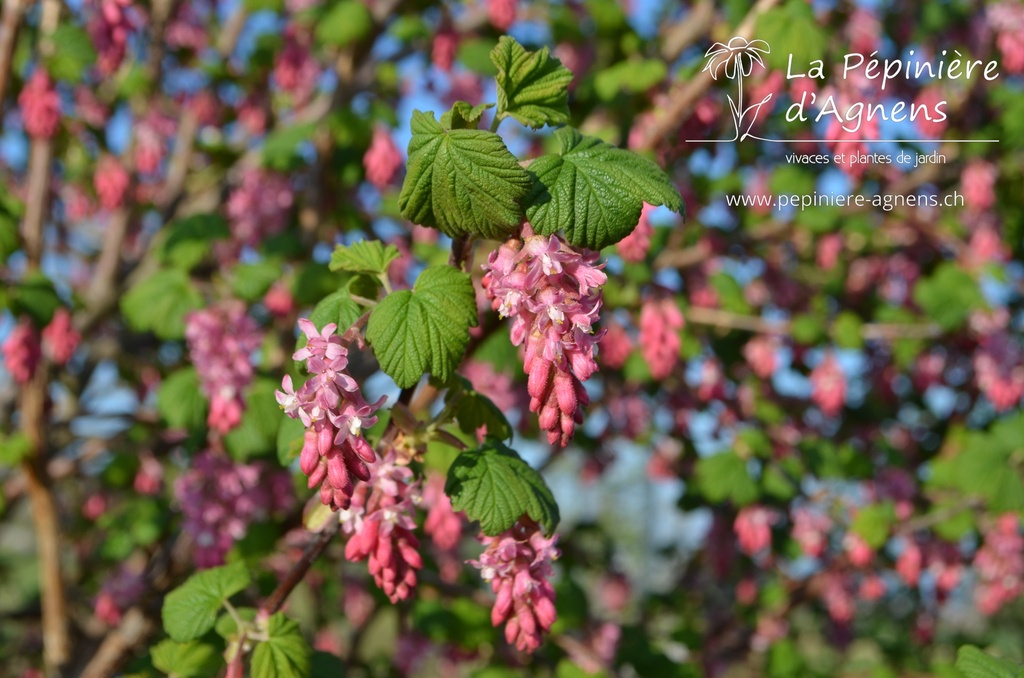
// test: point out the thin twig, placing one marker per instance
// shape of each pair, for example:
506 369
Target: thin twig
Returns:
749 323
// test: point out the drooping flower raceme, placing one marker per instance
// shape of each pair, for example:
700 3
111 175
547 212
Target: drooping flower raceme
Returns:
60 338
382 160
22 352
221 340
40 106
517 563
660 324
330 405
220 498
552 293
381 522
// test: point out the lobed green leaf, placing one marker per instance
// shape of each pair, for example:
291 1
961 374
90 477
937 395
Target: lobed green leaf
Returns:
190 610
533 87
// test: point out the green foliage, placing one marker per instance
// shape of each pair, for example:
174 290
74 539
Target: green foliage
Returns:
594 191
74 55
873 523
724 476
35 297
366 256
250 282
290 436
337 308
472 410
281 147
256 434
533 87
948 296
984 464
190 610
180 401
159 303
630 77
973 663
494 486
188 241
14 448
461 181
777 27
186 660
425 329
344 23
285 653
463 116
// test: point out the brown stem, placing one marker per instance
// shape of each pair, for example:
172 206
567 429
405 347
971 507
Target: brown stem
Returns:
12 13
134 628
871 331
36 202
276 599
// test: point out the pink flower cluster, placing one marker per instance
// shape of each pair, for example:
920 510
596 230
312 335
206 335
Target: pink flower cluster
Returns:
258 207
615 345
502 13
634 246
40 106
221 498
660 324
828 384
443 524
517 563
22 352
1007 19
552 293
753 527
381 526
295 70
109 30
999 370
111 182
332 408
60 338
759 353
119 592
221 340
1000 565
382 160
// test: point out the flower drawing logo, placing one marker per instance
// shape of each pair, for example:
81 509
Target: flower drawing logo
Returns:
736 60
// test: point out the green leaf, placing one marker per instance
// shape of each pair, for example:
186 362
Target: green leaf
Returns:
186 660
326 665
13 449
188 241
847 330
973 663
594 191
180 401
159 303
250 282
75 54
285 654
36 297
226 626
256 434
337 308
778 26
533 87
461 181
724 476
281 147
190 610
473 410
425 329
366 256
872 523
290 437
345 23
263 5
463 116
495 486
629 77
948 296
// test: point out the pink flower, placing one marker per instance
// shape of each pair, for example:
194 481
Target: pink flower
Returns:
295 70
615 345
111 182
552 293
999 565
221 340
279 300
999 370
829 249
660 325
829 386
857 549
871 588
978 182
187 30
382 160
22 352
837 596
517 563
124 588
635 245
109 27
443 524
151 135
502 13
810 530
908 564
60 339
258 207
380 522
150 476
928 118
446 44
753 527
334 454
863 29
759 353
220 498
40 106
